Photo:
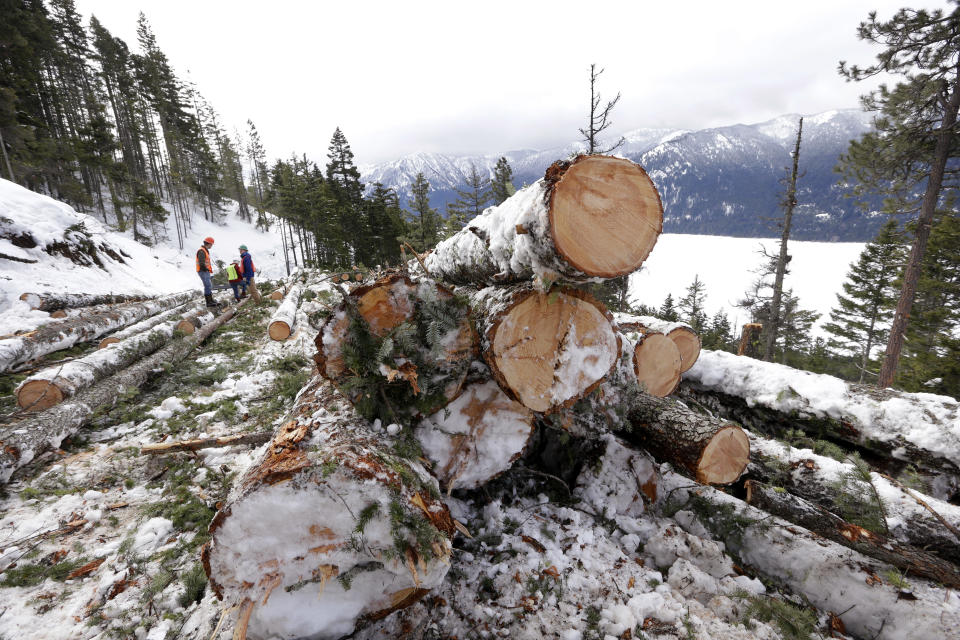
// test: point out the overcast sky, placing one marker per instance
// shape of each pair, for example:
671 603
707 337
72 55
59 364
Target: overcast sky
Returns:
458 77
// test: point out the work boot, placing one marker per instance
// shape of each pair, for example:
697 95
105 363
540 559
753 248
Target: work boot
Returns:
210 301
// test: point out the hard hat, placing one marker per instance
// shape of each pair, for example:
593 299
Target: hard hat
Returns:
208 240
243 247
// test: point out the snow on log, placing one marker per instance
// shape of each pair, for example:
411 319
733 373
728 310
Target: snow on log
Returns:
864 593
818 520
143 325
913 519
23 441
401 346
712 451
920 428
593 217
476 437
65 333
329 529
59 301
545 350
284 318
682 334
55 384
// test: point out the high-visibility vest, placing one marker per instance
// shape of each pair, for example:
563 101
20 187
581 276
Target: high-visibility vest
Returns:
206 259
232 273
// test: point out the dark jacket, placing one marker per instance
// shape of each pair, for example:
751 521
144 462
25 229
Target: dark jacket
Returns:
246 261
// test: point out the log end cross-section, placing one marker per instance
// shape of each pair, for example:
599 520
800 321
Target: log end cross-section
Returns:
605 215
37 395
551 349
722 460
657 364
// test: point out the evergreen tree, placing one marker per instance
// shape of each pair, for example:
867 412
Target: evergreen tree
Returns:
470 202
719 335
859 321
424 221
599 119
343 179
385 218
501 186
915 136
668 310
691 306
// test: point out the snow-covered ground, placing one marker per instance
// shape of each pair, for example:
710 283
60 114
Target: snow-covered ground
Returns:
28 218
726 266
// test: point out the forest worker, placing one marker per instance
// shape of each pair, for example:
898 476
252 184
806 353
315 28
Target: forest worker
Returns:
248 271
205 270
235 278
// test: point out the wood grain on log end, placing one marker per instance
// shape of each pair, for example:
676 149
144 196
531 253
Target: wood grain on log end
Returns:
186 327
551 349
59 313
385 304
279 330
725 457
657 363
37 395
688 342
605 215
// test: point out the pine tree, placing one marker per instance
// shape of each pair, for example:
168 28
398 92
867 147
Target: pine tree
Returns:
424 221
719 335
470 202
385 218
915 136
501 186
691 306
599 119
864 309
668 310
343 179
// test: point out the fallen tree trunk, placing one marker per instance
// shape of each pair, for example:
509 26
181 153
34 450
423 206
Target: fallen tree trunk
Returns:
829 576
162 448
194 320
142 326
284 318
596 216
476 437
59 301
330 528
918 428
53 385
70 331
682 334
822 522
712 451
545 350
913 519
24 440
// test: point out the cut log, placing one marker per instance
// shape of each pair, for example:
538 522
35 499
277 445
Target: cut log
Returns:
194 320
58 314
750 340
257 438
919 428
143 325
657 363
278 294
917 520
285 317
58 301
409 344
24 440
55 384
712 451
545 350
330 528
593 217
65 333
476 437
683 335
822 522
829 576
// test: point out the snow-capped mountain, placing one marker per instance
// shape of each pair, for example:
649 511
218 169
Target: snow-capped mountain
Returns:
723 180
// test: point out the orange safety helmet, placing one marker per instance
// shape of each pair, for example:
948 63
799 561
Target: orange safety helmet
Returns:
208 240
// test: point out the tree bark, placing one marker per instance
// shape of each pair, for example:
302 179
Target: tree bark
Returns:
596 216
23 441
330 528
921 429
58 301
820 521
142 326
682 334
829 576
70 331
285 317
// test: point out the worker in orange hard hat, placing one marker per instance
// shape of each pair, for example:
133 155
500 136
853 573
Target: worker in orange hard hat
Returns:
205 271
